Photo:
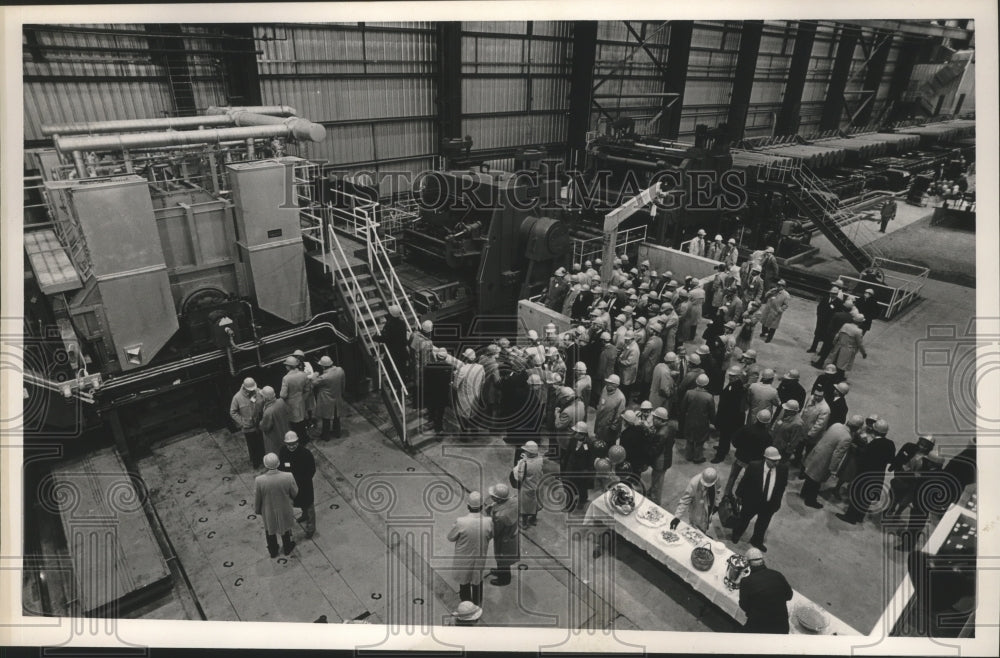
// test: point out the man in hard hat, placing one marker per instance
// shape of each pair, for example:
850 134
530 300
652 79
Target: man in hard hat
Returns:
846 345
663 386
791 389
558 287
295 386
468 383
394 336
607 357
628 365
569 411
579 469
826 381
730 254
328 387
607 423
788 430
831 303
649 358
274 423
837 320
697 413
436 387
246 409
714 249
697 245
907 461
815 420
471 535
661 450
760 493
634 438
750 442
732 411
764 597
699 501
581 382
775 304
868 306
421 349
273 493
527 475
866 487
506 532
825 458
762 395
302 465
838 406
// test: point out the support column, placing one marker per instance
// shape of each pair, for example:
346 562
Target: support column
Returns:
834 104
909 50
746 68
873 76
679 48
789 116
581 82
449 96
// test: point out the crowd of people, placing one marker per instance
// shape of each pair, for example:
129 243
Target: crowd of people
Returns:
655 363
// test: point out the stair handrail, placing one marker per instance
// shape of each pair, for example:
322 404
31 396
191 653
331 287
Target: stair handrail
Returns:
397 387
381 258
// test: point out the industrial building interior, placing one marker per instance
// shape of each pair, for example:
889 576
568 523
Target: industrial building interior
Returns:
202 200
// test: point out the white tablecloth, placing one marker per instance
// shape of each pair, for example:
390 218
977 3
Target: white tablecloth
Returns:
677 558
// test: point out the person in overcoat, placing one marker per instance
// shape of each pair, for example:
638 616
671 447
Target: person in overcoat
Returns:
760 492
649 358
506 532
825 308
846 345
661 451
469 378
699 501
579 470
273 493
788 431
826 456
696 415
662 386
329 390
245 410
471 535
302 465
295 386
394 337
528 473
732 412
569 411
775 305
608 421
867 486
274 421
764 596
815 420
436 387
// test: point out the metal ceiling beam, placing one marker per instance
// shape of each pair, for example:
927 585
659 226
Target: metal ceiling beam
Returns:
581 93
834 103
746 67
679 49
791 102
921 28
873 76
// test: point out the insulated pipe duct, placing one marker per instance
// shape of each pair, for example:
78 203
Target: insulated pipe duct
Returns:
135 125
300 128
306 130
274 110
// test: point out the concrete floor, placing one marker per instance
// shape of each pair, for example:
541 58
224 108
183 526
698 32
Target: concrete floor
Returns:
380 549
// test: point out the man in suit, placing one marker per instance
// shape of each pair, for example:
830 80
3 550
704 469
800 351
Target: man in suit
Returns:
273 493
824 311
760 493
837 320
869 308
764 596
436 387
866 486
329 390
471 535
838 406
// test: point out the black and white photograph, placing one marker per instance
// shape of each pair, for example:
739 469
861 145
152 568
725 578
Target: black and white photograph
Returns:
595 328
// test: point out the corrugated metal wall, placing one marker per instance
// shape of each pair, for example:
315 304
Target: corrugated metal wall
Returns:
515 85
102 72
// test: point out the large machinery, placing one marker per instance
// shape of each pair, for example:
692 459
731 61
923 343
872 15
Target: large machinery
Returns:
172 254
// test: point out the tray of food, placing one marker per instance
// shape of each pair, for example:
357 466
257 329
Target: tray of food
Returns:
810 618
693 535
670 536
651 516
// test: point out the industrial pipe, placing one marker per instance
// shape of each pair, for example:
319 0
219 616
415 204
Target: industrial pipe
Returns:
301 128
305 130
275 110
135 125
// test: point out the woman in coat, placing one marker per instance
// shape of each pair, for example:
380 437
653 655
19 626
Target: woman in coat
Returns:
846 345
774 307
528 473
329 390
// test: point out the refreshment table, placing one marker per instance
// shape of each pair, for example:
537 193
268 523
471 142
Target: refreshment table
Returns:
676 556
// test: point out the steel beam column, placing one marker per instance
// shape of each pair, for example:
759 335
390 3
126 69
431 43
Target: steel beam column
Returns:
449 96
834 104
909 50
791 102
882 43
581 91
679 48
746 68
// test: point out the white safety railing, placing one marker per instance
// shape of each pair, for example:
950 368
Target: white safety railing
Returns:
591 248
386 370
378 258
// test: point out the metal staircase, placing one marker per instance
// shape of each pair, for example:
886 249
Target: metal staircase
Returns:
365 287
815 201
